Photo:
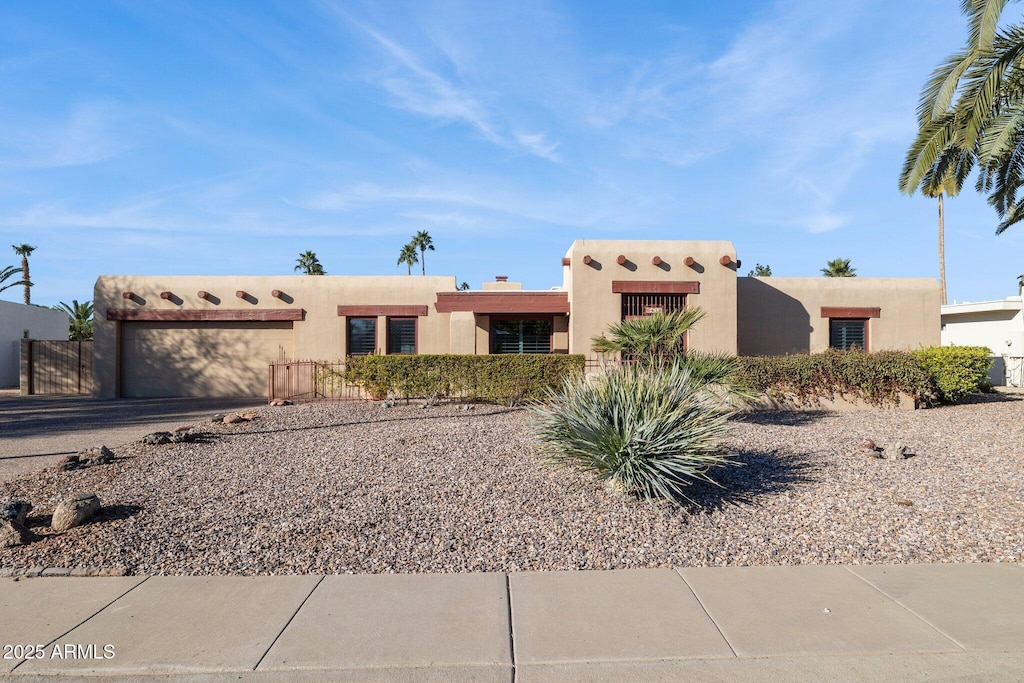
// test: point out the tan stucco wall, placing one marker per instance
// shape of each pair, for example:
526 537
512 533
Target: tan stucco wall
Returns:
594 306
320 336
782 315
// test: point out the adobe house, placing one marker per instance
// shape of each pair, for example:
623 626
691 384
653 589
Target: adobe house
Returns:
216 335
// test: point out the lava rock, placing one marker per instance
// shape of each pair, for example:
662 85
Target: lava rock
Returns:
12 524
157 438
100 455
74 510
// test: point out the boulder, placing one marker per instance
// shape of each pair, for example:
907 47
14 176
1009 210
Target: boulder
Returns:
217 418
101 455
74 510
280 403
12 523
233 419
157 438
897 452
68 463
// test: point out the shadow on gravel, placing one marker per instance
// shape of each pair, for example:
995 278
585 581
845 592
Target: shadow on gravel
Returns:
787 418
110 513
753 476
426 416
993 397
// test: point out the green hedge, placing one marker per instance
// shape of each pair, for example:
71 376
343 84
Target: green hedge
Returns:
958 371
504 378
877 378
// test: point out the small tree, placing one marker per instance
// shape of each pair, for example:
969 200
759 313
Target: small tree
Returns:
24 251
760 271
839 267
464 287
309 264
408 256
81 315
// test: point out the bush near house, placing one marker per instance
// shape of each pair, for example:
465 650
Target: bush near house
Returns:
509 379
876 378
958 371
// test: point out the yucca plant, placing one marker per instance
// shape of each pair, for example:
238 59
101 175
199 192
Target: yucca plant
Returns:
643 430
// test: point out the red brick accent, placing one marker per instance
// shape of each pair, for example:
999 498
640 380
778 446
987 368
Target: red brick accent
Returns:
503 302
566 261
850 312
223 315
621 259
689 261
655 260
363 311
655 287
725 260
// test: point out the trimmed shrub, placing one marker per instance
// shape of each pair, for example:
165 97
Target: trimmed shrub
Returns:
503 378
958 371
646 431
877 378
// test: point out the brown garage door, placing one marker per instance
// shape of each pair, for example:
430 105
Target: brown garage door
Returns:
200 358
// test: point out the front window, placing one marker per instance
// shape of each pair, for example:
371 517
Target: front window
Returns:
846 334
520 336
362 336
401 335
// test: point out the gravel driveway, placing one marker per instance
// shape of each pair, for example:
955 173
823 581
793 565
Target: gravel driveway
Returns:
357 488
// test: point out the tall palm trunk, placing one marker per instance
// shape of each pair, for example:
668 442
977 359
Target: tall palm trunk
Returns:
423 258
942 250
24 276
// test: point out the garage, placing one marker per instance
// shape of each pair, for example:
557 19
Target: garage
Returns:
200 358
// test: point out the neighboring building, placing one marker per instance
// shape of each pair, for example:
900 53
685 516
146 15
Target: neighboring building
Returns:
17 322
215 336
997 325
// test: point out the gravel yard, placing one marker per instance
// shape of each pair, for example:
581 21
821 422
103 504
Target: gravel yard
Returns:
334 488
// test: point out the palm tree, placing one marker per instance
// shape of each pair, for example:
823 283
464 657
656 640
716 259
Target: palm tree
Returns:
464 287
971 112
309 264
423 242
81 319
650 340
6 274
839 267
24 251
408 256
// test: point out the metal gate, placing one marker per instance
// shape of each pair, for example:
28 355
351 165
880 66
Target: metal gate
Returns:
56 367
305 381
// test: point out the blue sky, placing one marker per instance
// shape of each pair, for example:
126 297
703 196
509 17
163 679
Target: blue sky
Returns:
221 138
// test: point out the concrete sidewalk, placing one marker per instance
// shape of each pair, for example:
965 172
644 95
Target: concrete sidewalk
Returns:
846 623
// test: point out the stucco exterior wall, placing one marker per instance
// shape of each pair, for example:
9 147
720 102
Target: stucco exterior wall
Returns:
998 325
595 306
320 335
15 319
780 315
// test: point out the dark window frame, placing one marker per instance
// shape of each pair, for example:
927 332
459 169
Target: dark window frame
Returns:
549 319
348 335
415 335
862 321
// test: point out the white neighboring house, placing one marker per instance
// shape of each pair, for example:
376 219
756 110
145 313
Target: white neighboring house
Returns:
17 322
999 325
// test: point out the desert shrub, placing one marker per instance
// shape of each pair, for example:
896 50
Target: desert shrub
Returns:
502 378
877 378
647 431
652 339
958 371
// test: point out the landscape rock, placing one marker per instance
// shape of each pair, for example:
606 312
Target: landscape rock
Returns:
897 452
12 524
68 463
233 419
100 455
280 403
181 428
867 445
217 418
74 510
157 438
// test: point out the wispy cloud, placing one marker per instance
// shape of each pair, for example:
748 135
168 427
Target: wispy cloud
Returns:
89 134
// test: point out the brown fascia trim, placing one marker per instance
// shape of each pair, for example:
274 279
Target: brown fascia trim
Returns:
850 312
502 302
396 311
655 287
223 315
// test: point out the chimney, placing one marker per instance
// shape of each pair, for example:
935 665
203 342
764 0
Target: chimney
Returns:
501 278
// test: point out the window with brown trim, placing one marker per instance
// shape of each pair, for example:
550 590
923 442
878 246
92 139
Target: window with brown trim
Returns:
640 305
362 336
401 336
848 333
520 335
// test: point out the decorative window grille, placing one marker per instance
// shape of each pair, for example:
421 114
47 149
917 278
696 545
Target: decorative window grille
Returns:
362 336
640 305
520 336
846 334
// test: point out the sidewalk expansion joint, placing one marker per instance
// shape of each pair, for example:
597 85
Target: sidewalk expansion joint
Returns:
703 607
288 623
511 627
87 619
934 627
